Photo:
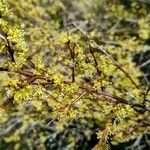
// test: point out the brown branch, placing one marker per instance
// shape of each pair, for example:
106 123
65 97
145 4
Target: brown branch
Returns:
95 45
4 69
117 65
145 95
95 60
29 58
42 84
24 73
7 102
77 99
8 45
10 50
117 99
72 55
90 48
68 106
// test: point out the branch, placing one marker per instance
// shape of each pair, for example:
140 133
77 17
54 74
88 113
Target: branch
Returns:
4 69
117 99
68 106
10 51
24 73
72 55
77 99
147 2
117 65
95 60
145 63
108 55
13 124
7 102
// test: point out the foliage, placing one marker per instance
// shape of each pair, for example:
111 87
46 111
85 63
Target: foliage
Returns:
72 60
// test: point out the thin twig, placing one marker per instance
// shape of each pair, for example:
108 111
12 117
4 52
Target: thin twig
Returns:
77 99
68 106
145 63
72 55
95 60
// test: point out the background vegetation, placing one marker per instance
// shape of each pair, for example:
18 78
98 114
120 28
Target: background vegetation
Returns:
74 74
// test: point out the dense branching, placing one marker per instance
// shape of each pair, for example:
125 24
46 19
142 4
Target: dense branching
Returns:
66 61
